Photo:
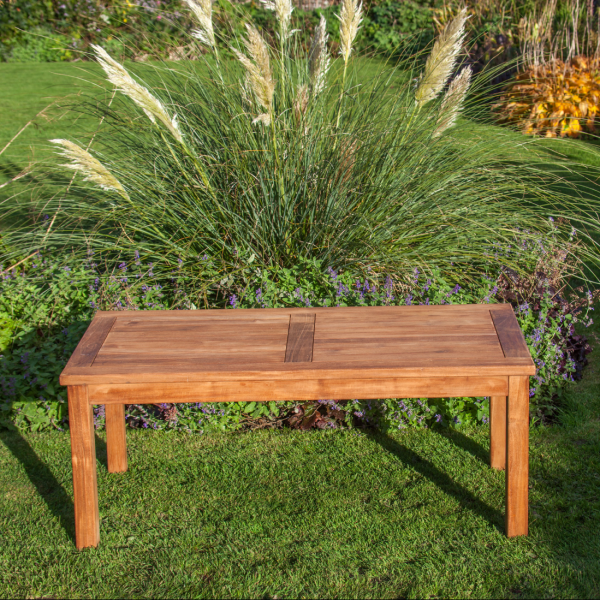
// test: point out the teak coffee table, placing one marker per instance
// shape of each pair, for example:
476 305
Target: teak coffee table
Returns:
131 357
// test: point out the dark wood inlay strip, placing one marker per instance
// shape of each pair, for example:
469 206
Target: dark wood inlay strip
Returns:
300 338
91 342
509 333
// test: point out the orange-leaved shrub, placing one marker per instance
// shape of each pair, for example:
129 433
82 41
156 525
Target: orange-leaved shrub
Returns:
556 99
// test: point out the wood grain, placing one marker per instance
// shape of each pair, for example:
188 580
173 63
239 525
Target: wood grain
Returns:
498 432
264 313
302 389
509 333
300 338
164 370
91 342
517 457
116 444
249 345
83 456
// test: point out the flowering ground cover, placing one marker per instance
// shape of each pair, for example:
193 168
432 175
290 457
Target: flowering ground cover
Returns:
417 513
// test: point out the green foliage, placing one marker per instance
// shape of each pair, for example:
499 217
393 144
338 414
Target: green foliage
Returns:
153 27
46 306
41 45
392 27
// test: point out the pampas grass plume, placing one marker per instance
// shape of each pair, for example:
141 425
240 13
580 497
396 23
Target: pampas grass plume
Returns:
259 71
283 10
442 59
350 18
91 168
122 80
318 58
453 101
202 10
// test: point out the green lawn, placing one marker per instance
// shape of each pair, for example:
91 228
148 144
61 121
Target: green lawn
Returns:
28 89
318 514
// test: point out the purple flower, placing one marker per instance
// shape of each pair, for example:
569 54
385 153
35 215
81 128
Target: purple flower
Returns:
233 301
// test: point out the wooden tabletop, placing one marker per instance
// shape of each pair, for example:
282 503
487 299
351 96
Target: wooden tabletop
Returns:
324 343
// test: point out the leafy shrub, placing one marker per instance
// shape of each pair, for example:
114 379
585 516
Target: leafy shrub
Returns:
77 23
152 28
41 45
391 27
557 99
46 305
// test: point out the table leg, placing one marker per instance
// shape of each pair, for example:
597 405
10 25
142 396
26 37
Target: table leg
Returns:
498 432
83 455
517 457
116 445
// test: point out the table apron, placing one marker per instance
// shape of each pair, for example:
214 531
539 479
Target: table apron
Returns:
296 389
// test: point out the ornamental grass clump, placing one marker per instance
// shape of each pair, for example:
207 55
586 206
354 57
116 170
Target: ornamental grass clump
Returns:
280 153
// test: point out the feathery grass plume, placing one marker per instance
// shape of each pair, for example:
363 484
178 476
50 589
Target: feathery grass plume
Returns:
301 102
92 169
283 10
442 59
453 101
152 106
318 58
202 10
350 18
259 72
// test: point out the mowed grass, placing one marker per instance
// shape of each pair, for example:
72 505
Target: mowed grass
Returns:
287 514
26 90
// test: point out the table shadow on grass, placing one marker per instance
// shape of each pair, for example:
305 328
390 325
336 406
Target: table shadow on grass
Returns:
101 455
48 487
466 443
443 481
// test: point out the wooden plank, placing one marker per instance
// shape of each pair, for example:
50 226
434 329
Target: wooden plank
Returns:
162 371
263 313
207 331
300 338
498 432
406 352
517 457
214 315
365 333
209 325
509 333
300 389
404 313
201 350
116 444
186 359
462 342
331 323
91 342
83 456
